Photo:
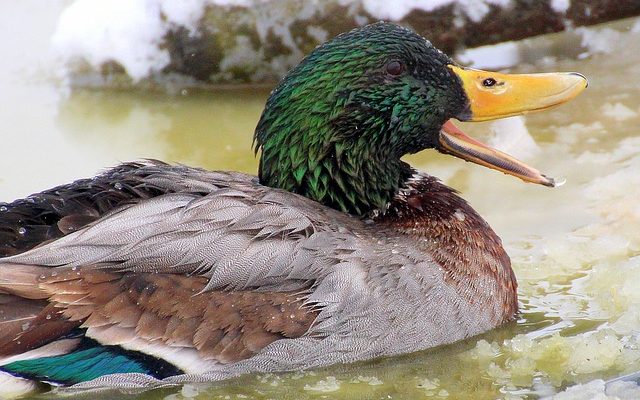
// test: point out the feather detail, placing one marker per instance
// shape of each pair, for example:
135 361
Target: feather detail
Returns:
56 348
13 387
218 273
168 316
88 361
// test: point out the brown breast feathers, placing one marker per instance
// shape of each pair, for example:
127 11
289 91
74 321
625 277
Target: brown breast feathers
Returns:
458 239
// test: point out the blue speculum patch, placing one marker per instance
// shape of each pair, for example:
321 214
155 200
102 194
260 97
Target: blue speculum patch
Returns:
89 362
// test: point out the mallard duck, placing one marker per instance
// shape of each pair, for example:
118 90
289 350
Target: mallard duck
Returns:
337 251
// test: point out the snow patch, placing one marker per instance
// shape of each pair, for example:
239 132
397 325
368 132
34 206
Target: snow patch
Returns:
497 56
128 32
476 10
560 6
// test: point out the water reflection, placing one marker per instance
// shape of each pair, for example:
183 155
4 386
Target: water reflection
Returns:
212 130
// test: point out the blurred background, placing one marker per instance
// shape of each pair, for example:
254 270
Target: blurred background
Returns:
87 84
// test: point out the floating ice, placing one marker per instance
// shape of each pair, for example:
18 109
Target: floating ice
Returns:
559 181
369 380
600 390
512 136
599 41
618 111
329 384
623 390
594 390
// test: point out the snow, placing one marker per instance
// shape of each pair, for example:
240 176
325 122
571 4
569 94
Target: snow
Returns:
501 55
476 10
131 33
128 32
560 6
94 31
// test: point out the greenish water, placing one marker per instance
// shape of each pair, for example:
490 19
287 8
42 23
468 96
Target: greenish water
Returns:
575 249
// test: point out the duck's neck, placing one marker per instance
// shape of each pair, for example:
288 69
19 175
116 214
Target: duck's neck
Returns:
460 241
356 175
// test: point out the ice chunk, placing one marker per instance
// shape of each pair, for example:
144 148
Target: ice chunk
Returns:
329 384
618 111
623 390
599 40
593 390
599 390
512 136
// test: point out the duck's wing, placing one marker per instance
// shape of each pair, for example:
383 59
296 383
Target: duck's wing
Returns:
194 279
51 214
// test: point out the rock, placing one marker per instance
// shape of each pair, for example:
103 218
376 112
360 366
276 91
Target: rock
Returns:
202 42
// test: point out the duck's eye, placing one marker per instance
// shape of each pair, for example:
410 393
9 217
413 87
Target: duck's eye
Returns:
489 82
395 67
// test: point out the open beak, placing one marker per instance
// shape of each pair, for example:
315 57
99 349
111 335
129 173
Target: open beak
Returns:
494 95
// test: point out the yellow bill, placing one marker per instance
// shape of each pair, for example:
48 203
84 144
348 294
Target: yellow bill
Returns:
493 95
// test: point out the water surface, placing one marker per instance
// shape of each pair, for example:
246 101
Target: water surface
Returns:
575 249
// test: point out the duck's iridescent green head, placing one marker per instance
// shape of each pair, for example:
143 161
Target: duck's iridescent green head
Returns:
336 126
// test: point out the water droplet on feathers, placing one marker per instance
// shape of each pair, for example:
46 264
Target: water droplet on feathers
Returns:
22 231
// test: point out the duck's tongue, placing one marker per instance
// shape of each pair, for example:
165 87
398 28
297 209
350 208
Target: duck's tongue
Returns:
457 143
